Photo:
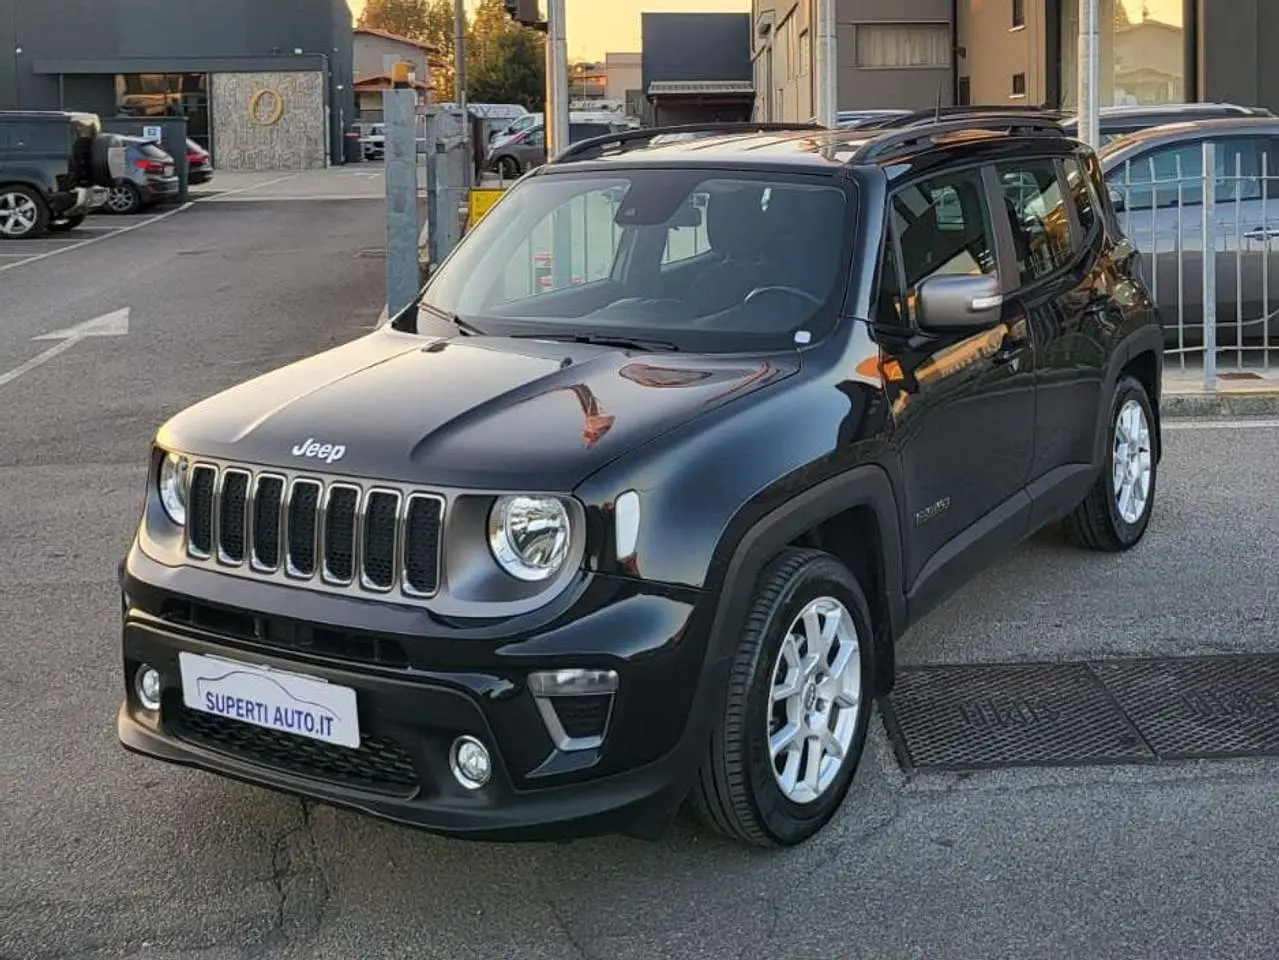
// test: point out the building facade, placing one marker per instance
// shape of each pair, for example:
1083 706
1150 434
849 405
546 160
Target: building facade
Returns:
375 53
907 53
890 55
264 84
696 67
625 75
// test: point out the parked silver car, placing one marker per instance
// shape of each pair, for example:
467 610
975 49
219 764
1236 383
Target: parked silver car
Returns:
521 153
1156 183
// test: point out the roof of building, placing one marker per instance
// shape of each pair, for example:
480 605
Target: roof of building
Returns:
388 35
382 81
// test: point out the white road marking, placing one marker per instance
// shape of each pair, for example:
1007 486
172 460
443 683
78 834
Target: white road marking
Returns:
1243 423
98 239
252 186
114 324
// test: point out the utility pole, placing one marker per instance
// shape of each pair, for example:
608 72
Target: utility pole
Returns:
399 109
459 84
826 63
1089 72
556 78
528 13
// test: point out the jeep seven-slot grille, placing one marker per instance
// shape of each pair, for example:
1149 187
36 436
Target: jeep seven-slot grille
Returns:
334 532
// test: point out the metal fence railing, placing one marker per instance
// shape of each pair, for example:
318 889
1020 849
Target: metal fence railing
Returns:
1220 308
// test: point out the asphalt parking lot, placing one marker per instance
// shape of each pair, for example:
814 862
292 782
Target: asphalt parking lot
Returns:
95 229
109 855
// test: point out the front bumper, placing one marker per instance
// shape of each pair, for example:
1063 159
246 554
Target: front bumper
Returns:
411 712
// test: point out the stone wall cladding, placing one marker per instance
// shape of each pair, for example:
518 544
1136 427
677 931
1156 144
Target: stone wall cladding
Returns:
296 142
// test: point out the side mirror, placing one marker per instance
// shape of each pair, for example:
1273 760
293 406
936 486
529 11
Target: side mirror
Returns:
1116 198
952 303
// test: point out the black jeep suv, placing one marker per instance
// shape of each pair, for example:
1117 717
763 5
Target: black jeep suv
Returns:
634 504
55 167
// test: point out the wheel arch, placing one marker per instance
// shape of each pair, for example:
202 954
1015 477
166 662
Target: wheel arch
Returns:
1140 354
852 516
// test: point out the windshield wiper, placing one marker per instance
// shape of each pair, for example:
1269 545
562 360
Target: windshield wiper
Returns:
600 340
465 326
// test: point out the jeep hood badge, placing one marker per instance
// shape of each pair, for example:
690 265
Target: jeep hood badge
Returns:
313 449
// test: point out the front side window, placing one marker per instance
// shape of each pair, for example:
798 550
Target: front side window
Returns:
942 226
693 258
1036 211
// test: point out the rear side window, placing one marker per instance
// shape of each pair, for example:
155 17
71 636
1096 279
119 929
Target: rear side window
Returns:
1036 211
34 137
1081 195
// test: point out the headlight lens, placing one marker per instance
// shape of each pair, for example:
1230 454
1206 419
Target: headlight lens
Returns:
173 487
529 536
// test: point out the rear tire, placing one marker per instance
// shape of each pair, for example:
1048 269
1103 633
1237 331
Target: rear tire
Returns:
125 198
782 754
23 213
1114 516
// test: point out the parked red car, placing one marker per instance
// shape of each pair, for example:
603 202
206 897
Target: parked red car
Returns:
199 164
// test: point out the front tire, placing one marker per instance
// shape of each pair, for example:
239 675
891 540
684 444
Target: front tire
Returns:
1114 516
508 168
784 750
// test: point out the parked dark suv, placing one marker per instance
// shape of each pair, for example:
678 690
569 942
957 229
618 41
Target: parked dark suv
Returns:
634 504
55 167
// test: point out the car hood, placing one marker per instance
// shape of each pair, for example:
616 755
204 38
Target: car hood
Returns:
479 412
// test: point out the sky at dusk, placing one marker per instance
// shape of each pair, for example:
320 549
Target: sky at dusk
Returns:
596 27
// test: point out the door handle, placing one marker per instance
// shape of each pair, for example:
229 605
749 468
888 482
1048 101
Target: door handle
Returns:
1262 233
1010 349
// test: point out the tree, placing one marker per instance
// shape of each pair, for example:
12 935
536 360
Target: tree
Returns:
513 70
407 18
439 31
1121 15
489 24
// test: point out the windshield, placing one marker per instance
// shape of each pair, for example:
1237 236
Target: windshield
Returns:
696 259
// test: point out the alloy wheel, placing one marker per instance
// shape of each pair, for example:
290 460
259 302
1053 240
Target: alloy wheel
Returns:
18 214
1131 462
121 199
816 690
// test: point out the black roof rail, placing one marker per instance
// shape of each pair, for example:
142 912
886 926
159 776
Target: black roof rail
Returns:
622 138
904 139
932 115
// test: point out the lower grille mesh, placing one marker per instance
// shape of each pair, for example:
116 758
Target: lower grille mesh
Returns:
380 764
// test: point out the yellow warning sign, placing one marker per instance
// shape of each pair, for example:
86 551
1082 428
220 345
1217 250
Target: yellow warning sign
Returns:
481 201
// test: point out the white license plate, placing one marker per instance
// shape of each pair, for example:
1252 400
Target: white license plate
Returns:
268 698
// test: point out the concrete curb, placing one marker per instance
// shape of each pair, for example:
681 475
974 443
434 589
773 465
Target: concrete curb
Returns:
1221 405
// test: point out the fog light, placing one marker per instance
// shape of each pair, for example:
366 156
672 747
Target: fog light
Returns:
470 762
146 683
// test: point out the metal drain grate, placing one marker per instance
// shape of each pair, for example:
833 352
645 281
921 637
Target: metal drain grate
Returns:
1213 707
1122 711
1035 714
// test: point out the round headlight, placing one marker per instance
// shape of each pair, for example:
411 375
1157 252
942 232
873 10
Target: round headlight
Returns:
173 487
529 536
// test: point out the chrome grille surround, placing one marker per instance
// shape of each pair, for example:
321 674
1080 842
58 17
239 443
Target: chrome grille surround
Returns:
305 559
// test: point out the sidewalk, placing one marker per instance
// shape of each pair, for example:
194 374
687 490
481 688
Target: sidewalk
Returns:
354 181
1247 393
